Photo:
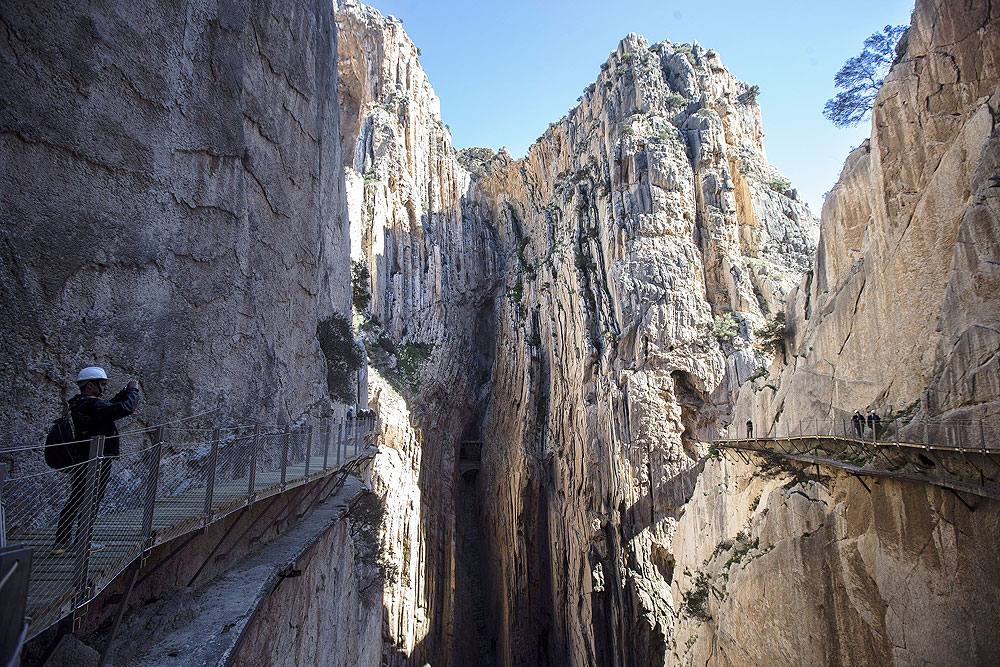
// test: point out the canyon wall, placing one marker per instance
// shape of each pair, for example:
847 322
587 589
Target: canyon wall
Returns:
899 312
617 274
646 239
173 207
776 563
424 306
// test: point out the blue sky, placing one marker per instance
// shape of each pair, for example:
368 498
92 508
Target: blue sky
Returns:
505 70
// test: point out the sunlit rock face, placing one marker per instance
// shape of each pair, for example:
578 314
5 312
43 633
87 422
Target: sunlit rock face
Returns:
898 313
428 327
900 309
781 567
633 230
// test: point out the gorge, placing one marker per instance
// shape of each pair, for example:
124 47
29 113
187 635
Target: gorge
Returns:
554 343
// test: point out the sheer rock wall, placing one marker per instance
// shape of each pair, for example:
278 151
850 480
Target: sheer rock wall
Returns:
776 566
432 267
173 207
900 309
899 313
633 225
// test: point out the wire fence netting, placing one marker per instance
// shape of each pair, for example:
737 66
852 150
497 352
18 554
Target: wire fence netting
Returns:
86 523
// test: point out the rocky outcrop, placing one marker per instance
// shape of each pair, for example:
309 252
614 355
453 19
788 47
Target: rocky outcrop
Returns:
645 238
173 206
618 272
424 302
898 314
899 310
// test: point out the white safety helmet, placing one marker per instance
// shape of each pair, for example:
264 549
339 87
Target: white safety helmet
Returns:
91 373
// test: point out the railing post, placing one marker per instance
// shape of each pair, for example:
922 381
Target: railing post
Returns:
213 460
284 455
86 514
152 481
252 471
354 436
340 439
309 442
3 517
326 443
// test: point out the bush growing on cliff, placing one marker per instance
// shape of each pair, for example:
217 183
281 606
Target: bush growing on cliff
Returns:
780 184
772 335
861 77
750 96
674 100
360 278
410 357
696 600
725 327
343 356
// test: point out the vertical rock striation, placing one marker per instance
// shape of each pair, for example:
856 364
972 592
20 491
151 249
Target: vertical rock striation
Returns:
646 237
431 269
899 314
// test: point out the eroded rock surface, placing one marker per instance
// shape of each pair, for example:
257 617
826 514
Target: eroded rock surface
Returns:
431 273
900 312
173 207
779 566
634 230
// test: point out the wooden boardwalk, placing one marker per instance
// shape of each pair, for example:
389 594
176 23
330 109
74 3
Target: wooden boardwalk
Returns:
53 591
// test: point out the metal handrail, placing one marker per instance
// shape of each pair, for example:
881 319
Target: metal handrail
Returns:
239 470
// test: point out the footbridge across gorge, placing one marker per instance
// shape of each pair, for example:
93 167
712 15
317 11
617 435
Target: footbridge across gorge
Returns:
966 464
168 481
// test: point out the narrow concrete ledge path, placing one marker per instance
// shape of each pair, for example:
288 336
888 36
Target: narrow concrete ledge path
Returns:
224 605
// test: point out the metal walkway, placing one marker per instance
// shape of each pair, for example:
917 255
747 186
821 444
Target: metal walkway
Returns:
969 470
168 482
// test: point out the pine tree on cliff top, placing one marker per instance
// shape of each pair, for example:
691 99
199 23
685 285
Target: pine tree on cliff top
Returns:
862 76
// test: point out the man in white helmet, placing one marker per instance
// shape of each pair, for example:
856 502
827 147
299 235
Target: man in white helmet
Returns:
92 416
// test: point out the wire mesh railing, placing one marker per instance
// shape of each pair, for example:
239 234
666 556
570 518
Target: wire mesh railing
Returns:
959 455
957 434
87 523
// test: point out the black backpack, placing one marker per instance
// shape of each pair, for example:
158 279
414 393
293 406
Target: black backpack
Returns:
59 453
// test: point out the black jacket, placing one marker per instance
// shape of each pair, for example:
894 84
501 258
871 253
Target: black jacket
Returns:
93 416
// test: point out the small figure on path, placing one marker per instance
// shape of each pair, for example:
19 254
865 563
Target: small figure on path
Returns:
92 416
859 423
749 429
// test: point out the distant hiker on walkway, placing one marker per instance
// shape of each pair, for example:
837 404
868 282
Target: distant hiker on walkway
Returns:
873 421
749 429
859 423
91 416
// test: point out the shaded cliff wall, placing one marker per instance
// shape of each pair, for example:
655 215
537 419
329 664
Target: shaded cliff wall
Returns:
427 328
638 229
173 205
901 304
776 566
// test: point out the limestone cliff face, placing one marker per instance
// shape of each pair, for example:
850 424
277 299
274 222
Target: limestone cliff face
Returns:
616 274
634 230
899 312
776 566
173 205
431 268
900 306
